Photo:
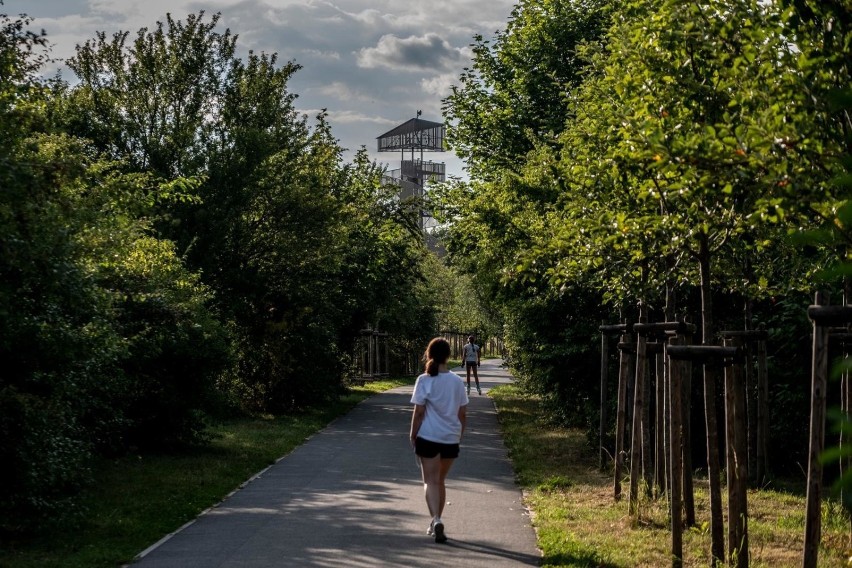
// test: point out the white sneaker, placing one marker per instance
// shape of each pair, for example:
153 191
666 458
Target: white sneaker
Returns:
431 530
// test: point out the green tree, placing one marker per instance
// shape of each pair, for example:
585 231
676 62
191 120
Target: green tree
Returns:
513 96
154 102
689 144
107 338
301 250
511 105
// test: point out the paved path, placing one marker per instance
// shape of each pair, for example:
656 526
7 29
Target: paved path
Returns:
352 496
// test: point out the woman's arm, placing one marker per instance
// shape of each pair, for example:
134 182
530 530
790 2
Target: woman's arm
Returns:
463 417
416 421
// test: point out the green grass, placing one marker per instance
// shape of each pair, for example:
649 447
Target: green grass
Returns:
579 524
138 499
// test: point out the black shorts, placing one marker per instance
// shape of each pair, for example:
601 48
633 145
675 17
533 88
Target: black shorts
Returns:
470 363
429 449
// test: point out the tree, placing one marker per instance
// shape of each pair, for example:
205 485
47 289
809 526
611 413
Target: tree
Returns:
513 96
279 223
686 144
107 338
509 106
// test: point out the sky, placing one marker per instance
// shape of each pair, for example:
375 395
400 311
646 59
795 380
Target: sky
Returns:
372 63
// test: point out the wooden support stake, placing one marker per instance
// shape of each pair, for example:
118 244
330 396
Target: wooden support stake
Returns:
638 412
819 380
675 375
603 416
762 413
751 410
621 413
736 443
660 434
688 488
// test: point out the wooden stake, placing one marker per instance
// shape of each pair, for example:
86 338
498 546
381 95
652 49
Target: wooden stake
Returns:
602 428
675 375
737 462
638 412
621 413
819 379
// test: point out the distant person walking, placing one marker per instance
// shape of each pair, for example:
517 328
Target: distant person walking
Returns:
471 361
437 424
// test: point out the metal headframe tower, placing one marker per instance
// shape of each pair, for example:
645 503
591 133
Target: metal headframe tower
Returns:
416 136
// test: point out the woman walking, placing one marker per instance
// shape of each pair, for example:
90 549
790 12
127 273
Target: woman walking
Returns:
437 423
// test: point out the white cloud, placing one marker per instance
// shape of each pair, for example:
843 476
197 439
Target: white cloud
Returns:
414 53
114 7
372 63
344 92
319 54
438 85
351 116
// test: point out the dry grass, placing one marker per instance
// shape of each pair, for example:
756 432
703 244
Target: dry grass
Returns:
580 524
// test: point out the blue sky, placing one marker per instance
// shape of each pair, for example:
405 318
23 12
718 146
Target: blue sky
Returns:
372 64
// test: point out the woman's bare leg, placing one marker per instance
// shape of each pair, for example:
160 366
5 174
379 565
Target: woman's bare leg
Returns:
446 464
432 485
435 472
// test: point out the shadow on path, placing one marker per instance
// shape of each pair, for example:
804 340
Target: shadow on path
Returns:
352 496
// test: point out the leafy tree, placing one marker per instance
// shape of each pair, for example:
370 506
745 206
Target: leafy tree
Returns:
107 339
509 106
690 140
301 251
155 101
513 96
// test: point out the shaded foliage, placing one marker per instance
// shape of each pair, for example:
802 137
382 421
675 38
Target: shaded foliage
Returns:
177 242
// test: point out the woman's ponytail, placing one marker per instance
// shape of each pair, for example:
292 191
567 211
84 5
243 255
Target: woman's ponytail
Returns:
437 354
432 367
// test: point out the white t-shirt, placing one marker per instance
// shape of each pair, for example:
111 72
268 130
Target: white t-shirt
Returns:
442 395
470 350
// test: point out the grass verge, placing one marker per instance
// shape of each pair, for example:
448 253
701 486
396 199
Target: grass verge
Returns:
579 524
138 499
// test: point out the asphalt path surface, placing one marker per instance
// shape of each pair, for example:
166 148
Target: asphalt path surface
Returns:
352 495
